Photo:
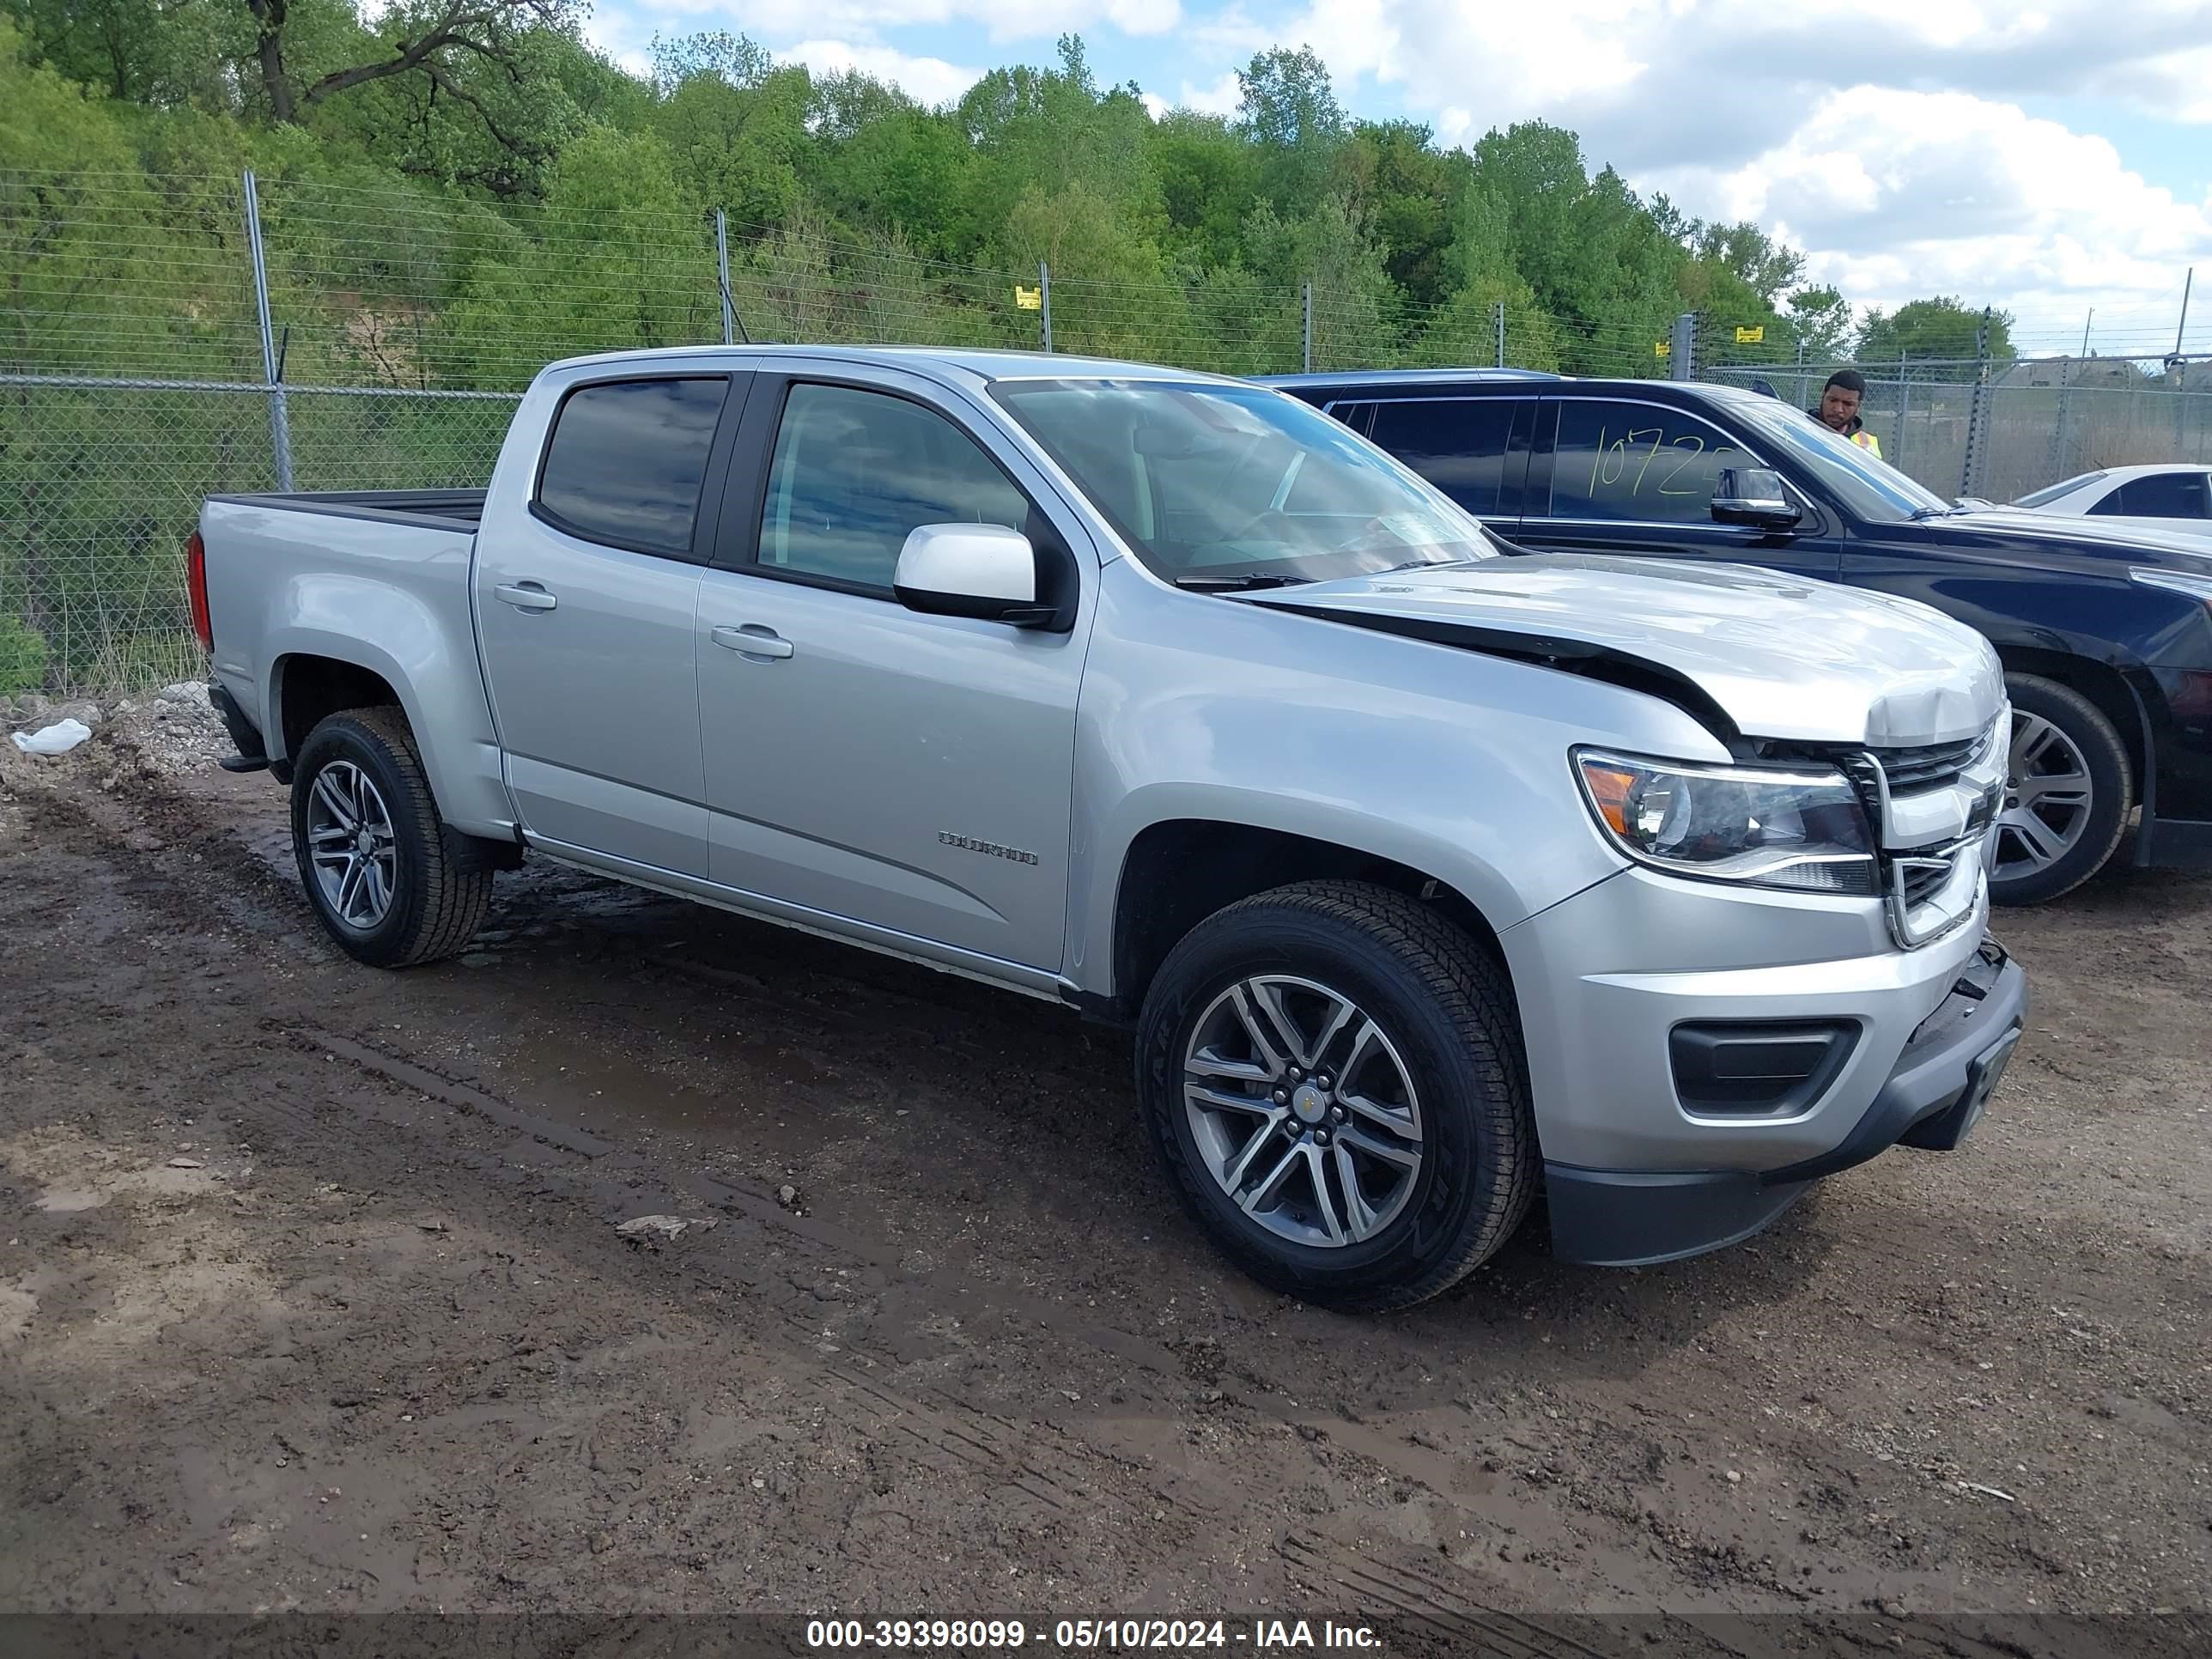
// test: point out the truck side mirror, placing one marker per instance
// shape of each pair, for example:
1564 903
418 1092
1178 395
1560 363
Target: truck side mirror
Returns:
986 571
1754 495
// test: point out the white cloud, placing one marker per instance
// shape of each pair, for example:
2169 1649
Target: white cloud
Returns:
867 20
1900 194
613 34
1224 97
931 80
1884 137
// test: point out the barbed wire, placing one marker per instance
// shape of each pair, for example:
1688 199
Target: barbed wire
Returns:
405 325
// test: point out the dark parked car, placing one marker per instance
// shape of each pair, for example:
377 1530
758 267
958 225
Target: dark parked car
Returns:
2105 633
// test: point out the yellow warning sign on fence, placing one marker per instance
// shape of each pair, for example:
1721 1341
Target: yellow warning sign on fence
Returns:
1751 336
1662 349
1029 299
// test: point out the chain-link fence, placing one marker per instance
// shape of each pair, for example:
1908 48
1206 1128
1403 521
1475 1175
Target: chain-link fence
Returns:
1976 427
166 337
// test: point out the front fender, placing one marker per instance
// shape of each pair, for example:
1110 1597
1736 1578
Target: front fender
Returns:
1450 762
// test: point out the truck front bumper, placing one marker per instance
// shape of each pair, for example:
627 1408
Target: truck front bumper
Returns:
1933 1097
1697 1056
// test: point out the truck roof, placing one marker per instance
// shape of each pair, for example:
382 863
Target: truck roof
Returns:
985 364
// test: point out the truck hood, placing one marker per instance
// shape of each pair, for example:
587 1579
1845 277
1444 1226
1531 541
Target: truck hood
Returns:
1779 656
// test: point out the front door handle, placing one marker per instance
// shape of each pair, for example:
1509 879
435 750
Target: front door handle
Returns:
753 639
525 596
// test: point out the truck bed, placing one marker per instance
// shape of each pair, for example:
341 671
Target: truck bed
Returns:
447 508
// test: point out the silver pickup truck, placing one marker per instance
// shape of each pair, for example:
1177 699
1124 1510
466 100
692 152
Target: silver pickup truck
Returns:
1430 874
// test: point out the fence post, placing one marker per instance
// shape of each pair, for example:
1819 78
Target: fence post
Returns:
2059 452
722 277
1904 411
1306 349
1803 389
1497 314
1682 347
280 420
1044 301
1978 410
2181 374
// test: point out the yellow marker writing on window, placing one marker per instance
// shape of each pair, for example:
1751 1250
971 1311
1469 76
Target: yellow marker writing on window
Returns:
1029 299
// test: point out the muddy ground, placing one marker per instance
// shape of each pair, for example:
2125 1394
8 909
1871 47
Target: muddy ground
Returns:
314 1295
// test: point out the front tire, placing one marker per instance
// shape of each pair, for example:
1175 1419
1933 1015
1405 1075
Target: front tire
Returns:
2068 788
1334 1075
390 882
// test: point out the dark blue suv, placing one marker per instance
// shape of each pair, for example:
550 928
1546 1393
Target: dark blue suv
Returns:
2106 634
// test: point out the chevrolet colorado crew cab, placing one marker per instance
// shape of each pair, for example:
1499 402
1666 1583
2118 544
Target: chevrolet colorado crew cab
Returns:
2104 628
1429 875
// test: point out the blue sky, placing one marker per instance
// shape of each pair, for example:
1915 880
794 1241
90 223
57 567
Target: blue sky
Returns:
2048 158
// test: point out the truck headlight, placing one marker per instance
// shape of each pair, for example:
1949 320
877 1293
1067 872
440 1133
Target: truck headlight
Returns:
1760 826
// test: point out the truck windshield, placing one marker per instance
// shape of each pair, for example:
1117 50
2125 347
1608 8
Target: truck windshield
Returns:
1239 485
1867 489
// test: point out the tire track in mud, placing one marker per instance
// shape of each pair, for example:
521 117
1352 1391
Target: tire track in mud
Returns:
1047 1473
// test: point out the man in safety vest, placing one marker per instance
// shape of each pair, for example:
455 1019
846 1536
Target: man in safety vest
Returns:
1840 409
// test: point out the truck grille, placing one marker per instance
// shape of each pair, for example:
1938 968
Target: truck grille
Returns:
1922 882
1930 766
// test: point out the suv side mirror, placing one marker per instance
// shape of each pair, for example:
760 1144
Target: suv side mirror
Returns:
986 571
1754 495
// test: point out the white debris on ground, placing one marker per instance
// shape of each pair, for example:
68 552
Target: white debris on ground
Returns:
175 730
172 732
56 739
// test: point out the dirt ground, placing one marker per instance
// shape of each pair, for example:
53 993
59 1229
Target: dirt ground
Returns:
315 1295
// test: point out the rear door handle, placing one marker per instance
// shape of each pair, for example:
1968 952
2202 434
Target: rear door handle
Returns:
525 596
753 639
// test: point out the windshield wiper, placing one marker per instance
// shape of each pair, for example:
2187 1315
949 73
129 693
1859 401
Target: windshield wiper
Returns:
1244 582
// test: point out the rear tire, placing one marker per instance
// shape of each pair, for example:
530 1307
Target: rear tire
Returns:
391 882
2054 834
1401 1140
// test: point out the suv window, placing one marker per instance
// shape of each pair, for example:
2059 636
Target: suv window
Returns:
626 461
1458 444
854 471
2156 496
1637 462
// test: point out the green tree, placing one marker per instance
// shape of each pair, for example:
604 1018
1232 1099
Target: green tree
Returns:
1208 181
1409 190
1288 110
1820 321
1941 328
739 144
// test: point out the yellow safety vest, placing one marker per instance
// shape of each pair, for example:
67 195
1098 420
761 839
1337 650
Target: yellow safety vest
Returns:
1866 439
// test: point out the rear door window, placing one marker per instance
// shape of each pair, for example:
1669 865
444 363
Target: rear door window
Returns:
1458 444
1638 462
2157 495
627 460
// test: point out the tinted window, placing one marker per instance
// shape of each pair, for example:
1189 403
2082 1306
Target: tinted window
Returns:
1637 461
2157 495
854 471
627 459
1458 444
1355 416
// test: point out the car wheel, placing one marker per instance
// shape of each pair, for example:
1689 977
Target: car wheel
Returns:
1334 1076
390 882
2068 788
